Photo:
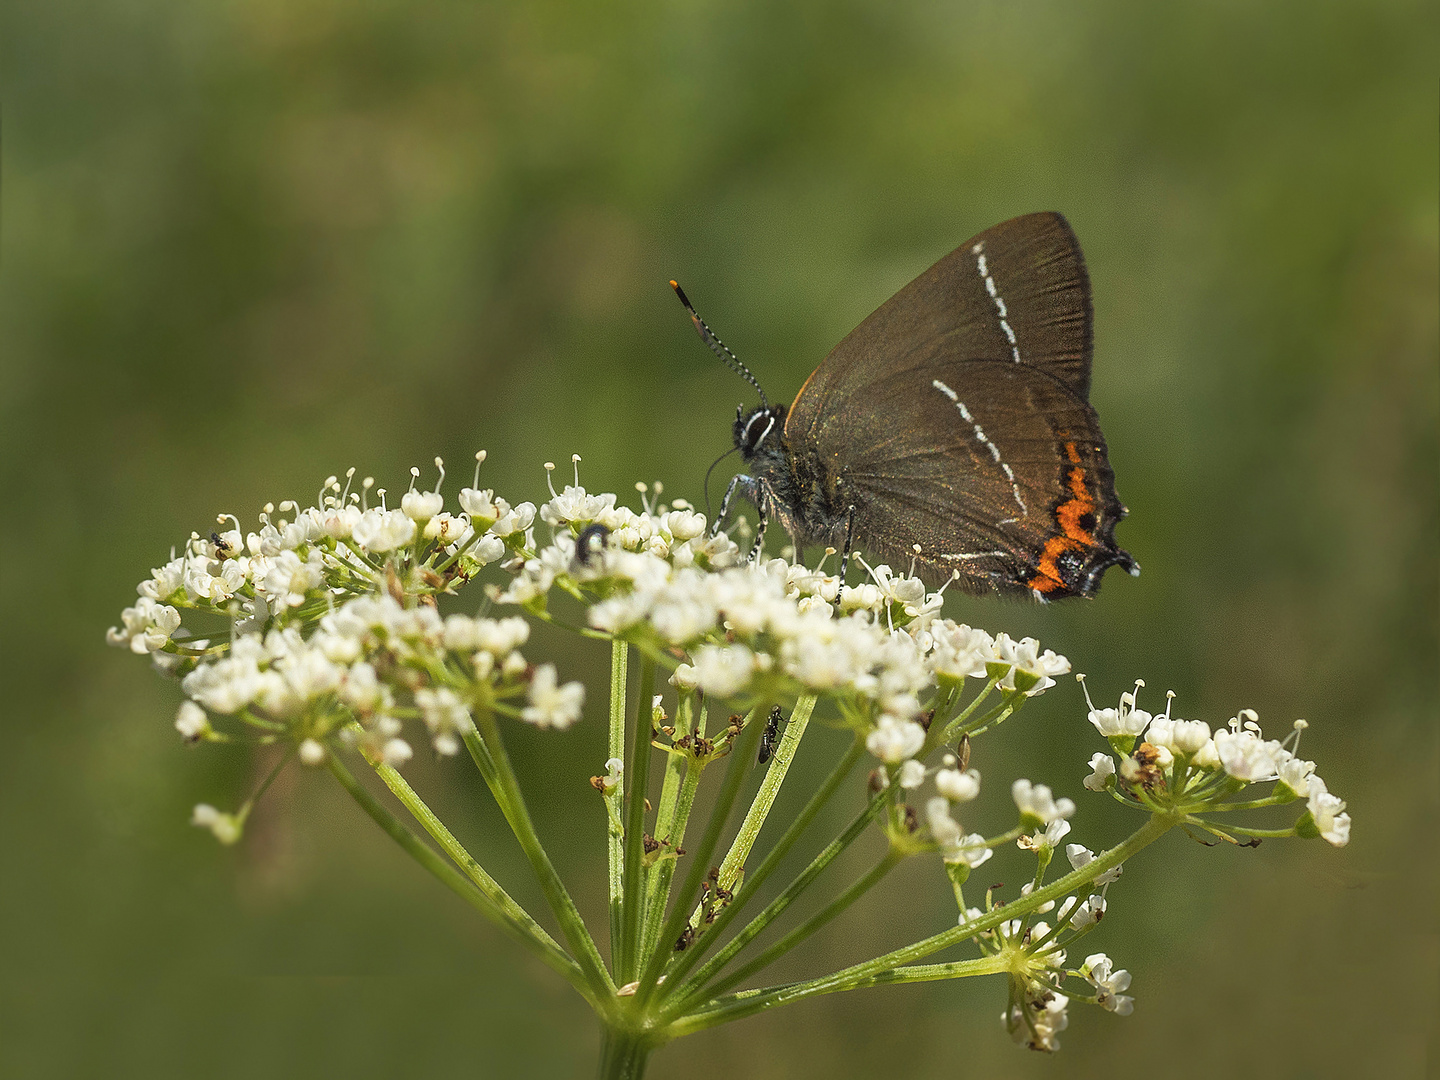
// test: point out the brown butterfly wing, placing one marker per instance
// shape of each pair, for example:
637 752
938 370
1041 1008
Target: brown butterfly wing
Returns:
994 469
955 417
1017 291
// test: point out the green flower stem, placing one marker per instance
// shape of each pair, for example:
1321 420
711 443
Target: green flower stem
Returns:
814 923
670 788
663 872
512 805
623 1055
619 674
992 717
480 891
1253 804
690 992
753 881
638 769
475 534
858 975
741 749
723 1009
733 864
937 736
484 762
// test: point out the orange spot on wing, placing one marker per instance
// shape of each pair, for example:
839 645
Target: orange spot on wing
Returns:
1073 536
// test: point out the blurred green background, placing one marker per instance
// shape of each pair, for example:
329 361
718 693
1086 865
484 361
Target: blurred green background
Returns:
248 244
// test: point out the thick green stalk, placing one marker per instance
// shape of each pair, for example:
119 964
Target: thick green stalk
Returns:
691 991
740 750
734 862
754 880
619 671
749 1002
517 814
623 1055
480 892
638 769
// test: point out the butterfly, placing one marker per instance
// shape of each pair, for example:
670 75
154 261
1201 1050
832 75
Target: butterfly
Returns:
952 428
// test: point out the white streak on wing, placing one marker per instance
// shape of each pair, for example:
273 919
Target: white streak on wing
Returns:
966 556
979 252
980 435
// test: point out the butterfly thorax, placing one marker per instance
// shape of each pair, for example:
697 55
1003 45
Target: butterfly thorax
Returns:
790 489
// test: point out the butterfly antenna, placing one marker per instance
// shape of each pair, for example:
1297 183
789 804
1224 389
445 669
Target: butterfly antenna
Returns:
710 470
718 347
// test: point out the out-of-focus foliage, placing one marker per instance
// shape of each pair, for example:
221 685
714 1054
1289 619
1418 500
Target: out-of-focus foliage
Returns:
248 244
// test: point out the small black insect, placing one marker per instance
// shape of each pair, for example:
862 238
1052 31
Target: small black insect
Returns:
590 543
770 736
952 426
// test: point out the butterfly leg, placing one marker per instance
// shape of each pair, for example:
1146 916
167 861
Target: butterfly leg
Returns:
746 486
762 516
849 537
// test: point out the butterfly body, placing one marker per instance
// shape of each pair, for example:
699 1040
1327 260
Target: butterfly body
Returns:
953 427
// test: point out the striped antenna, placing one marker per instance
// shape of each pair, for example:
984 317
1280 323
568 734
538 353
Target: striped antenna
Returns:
718 347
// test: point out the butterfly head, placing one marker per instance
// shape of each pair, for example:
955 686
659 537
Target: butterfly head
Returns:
759 429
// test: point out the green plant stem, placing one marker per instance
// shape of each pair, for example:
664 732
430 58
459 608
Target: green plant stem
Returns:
740 750
733 864
722 1009
692 990
623 1055
512 805
753 881
480 891
814 923
739 1006
637 768
619 674
675 763
658 892
663 872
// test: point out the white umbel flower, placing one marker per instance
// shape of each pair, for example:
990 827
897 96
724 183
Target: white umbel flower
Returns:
958 786
723 670
1036 801
1326 809
1102 768
552 705
1024 656
1080 856
894 740
445 714
1109 984
146 627
227 828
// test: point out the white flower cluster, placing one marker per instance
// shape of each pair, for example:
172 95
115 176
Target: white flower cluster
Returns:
333 628
293 567
953 786
358 662
773 629
1186 757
